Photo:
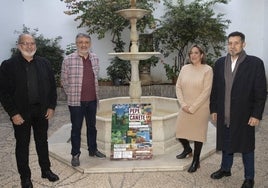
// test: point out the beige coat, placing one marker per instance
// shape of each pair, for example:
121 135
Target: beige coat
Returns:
193 88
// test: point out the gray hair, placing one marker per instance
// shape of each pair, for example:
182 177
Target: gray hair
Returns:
20 38
82 35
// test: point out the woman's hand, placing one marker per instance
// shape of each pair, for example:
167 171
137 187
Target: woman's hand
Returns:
186 109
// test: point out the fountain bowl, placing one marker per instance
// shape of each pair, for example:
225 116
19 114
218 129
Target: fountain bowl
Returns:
135 56
132 13
164 116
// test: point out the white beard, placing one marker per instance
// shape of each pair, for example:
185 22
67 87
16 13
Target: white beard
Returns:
27 54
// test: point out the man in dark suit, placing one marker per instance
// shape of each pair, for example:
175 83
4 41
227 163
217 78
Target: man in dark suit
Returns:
237 102
28 95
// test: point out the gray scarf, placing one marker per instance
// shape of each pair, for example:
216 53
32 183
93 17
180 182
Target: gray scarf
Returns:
229 76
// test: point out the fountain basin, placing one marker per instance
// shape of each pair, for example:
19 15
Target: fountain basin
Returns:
164 115
135 56
132 13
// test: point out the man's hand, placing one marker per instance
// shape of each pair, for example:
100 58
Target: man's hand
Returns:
49 114
214 117
17 119
253 121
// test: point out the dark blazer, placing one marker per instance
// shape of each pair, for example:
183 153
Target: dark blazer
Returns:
248 97
13 85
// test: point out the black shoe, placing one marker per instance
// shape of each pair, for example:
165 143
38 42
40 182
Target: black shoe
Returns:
97 154
26 183
248 183
50 176
220 174
185 153
194 166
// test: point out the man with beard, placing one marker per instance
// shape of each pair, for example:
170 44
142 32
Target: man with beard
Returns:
28 95
79 78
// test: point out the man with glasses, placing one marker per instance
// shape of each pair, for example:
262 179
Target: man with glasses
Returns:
79 78
28 95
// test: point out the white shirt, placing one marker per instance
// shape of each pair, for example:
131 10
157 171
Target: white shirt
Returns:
233 64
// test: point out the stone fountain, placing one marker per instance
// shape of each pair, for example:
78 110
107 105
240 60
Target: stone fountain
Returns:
164 115
164 110
133 14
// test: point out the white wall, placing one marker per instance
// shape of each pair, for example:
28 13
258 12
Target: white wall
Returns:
247 16
265 38
11 17
48 17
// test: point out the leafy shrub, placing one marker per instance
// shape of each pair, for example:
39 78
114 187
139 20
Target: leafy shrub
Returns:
48 48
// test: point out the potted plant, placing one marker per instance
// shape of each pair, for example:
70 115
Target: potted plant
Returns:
146 45
172 71
119 71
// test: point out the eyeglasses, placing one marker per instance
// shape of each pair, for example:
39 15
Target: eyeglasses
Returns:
83 43
27 43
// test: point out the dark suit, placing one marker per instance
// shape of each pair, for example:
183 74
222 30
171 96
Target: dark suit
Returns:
15 100
248 95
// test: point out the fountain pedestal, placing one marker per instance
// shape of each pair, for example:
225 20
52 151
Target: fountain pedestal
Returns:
164 110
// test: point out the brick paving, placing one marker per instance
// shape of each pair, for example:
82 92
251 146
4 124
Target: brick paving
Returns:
70 177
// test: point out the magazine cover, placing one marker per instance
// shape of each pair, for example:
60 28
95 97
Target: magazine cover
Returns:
131 131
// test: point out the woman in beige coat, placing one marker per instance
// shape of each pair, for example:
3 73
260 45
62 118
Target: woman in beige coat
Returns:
193 89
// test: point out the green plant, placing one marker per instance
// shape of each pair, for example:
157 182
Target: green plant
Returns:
104 79
151 62
172 71
146 45
70 48
184 24
100 18
48 48
119 69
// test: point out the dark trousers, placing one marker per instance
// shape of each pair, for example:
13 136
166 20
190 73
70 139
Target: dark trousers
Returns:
88 111
227 158
23 133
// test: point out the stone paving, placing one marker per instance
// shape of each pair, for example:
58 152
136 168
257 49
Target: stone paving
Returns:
72 178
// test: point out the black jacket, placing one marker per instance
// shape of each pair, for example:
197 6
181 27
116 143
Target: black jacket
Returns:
248 97
13 85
